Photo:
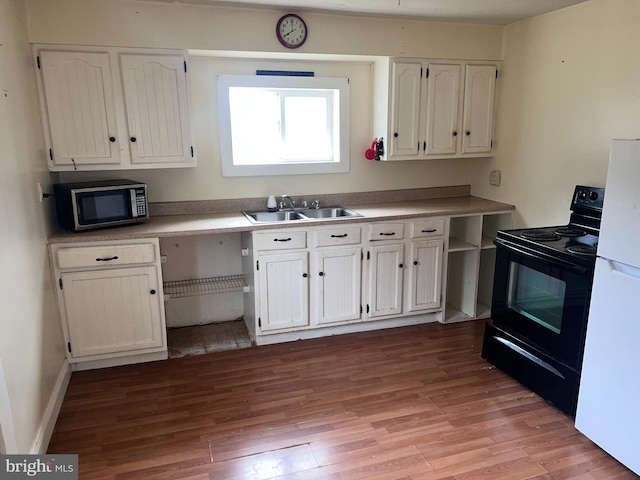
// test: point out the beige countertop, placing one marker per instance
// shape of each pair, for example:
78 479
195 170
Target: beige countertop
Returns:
211 223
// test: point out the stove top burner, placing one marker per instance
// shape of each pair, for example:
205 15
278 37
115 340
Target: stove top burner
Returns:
582 249
569 232
540 235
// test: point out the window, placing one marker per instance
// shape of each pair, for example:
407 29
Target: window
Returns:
273 125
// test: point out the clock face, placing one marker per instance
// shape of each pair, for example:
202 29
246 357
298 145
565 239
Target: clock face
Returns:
291 31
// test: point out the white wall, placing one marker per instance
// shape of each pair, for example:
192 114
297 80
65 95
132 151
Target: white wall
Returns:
571 83
127 23
31 347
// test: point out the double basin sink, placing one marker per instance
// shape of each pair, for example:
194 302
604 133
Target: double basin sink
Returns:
295 215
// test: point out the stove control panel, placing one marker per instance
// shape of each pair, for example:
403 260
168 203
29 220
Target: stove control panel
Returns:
587 198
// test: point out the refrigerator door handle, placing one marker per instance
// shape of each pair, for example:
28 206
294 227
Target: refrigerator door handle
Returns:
622 269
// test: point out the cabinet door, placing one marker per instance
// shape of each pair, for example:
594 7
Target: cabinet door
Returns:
479 101
425 275
157 108
385 280
443 94
79 108
405 109
283 291
337 285
113 310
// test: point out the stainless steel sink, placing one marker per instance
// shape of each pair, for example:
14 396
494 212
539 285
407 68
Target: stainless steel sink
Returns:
329 212
259 217
307 214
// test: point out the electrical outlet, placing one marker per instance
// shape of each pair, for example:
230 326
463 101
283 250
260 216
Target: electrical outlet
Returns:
40 193
495 177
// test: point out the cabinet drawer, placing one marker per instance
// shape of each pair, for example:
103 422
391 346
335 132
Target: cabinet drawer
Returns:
347 235
106 255
427 228
386 231
279 240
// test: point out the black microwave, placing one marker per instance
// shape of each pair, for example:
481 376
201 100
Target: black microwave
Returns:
106 203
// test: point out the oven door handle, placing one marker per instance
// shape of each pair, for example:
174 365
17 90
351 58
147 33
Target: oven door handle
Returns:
541 256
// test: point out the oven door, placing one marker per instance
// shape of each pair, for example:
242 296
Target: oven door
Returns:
542 300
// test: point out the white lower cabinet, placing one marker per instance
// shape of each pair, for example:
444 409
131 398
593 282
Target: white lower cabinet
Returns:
111 302
424 283
283 287
122 307
336 284
385 280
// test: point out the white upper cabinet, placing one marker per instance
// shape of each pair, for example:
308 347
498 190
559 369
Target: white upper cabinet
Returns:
479 101
155 93
443 100
435 109
405 100
79 100
114 108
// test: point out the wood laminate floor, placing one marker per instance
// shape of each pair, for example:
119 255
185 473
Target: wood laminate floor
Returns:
406 403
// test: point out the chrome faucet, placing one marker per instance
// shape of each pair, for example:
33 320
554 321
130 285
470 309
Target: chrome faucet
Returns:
315 204
292 202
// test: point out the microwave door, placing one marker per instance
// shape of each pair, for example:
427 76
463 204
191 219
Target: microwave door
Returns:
102 207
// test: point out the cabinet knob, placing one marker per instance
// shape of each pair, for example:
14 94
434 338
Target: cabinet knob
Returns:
152 292
455 134
112 139
395 135
467 133
321 274
304 275
401 265
133 139
415 262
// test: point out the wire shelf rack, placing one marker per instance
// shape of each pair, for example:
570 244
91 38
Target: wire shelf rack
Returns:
204 286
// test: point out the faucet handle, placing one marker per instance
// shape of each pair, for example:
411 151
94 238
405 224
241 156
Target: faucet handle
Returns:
305 204
315 204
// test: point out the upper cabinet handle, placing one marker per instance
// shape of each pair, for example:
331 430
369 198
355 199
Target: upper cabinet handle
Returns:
455 134
133 139
112 139
468 133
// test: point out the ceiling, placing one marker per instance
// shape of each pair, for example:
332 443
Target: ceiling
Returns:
497 12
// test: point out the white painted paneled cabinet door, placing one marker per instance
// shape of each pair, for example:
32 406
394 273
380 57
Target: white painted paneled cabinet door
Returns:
112 310
479 100
443 100
405 116
79 101
156 104
425 272
337 285
283 291
385 280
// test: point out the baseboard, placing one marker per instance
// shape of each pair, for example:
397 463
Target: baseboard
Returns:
45 430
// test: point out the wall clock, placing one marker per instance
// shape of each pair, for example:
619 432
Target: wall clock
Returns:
291 30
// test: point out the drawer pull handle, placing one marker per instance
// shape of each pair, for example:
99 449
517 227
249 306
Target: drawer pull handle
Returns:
106 259
387 234
344 235
431 230
282 239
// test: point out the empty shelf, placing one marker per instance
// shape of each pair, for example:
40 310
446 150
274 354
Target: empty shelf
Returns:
204 286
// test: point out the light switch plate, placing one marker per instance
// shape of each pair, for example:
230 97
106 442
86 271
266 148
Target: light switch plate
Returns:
495 177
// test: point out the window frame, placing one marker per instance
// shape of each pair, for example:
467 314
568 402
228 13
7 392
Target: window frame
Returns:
340 134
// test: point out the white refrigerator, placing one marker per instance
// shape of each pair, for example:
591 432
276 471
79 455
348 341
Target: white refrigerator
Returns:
609 396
